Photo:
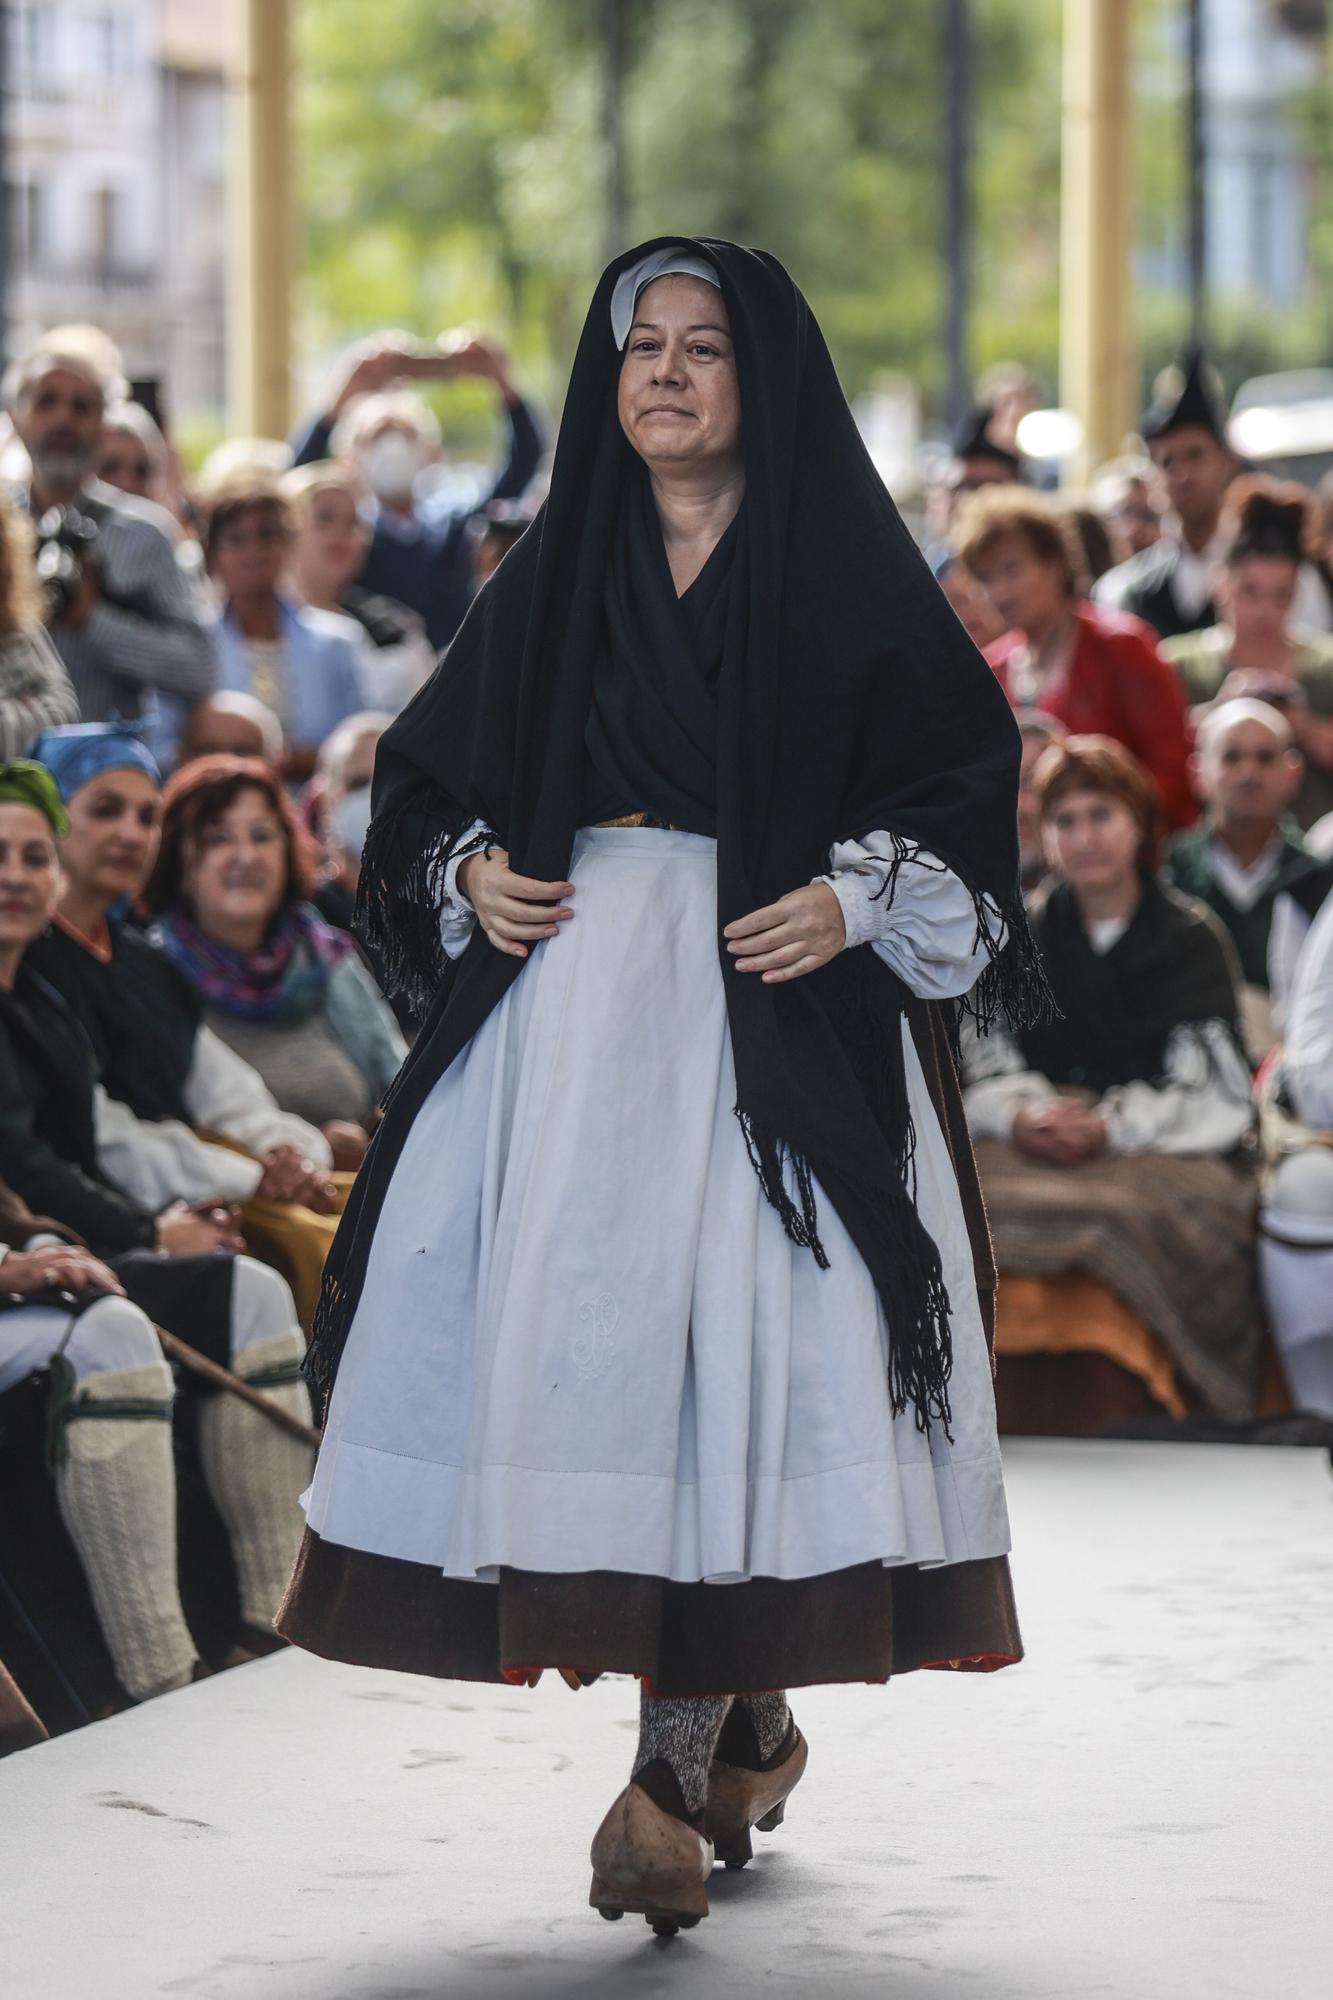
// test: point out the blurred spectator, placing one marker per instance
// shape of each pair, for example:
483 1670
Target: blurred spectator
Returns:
1037 732
118 608
1123 494
1096 672
976 614
337 809
1010 392
1268 532
495 530
1245 849
1110 1138
35 690
419 553
177 1113
1296 1230
1094 541
114 1477
233 725
231 892
976 459
1170 583
328 554
303 664
132 455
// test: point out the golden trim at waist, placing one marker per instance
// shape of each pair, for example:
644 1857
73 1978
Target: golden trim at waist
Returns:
638 819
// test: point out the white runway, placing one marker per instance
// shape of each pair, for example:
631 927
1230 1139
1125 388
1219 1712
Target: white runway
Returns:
1141 1809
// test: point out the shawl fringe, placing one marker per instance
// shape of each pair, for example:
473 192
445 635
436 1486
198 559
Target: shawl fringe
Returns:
400 895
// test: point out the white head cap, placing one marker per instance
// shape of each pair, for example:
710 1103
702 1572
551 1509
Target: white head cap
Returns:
658 264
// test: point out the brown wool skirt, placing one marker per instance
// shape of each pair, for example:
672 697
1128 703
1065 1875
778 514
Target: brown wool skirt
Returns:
866 1623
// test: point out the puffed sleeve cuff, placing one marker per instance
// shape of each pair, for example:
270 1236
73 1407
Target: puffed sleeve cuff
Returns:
457 916
914 912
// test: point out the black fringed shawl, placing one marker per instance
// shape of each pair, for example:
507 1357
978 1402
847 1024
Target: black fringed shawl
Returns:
849 699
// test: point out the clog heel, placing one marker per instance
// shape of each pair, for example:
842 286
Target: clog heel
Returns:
739 1800
648 1863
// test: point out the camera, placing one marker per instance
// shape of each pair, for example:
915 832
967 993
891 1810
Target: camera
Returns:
64 538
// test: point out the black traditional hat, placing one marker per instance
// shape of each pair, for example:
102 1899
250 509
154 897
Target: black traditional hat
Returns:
972 439
1189 392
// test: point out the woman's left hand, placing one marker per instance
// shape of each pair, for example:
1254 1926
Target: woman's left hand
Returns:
800 932
347 1143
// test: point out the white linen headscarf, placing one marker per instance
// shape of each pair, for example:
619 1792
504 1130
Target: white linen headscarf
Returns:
658 264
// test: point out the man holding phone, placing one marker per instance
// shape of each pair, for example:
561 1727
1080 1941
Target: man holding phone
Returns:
419 553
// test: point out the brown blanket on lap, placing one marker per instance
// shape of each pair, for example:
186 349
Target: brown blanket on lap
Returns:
1172 1237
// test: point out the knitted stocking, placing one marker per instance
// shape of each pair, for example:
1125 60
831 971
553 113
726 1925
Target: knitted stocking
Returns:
754 1736
677 1737
116 1490
256 1473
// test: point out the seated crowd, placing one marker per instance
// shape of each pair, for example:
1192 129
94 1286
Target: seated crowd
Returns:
193 1044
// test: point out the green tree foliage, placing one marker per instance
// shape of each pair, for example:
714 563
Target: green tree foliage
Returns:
455 163
455 166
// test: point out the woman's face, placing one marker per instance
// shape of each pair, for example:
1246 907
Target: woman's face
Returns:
249 551
331 541
679 398
112 838
1256 597
125 462
1027 590
1092 840
236 867
29 875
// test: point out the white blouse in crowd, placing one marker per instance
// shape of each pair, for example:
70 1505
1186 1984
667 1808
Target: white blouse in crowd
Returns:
160 1160
1201 1105
1307 1060
926 931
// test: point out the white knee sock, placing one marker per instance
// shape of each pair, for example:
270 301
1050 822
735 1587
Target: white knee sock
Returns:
1297 1278
256 1473
116 1491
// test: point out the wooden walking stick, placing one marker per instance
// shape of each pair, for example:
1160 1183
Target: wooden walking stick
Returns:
223 1378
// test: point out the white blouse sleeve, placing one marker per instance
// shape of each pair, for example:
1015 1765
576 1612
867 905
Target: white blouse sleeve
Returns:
996 1083
157 1161
457 915
226 1094
926 930
1203 1105
1307 1060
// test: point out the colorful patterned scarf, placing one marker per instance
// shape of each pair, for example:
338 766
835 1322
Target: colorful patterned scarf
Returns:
284 981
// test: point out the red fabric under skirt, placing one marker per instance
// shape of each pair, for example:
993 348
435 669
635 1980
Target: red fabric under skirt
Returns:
866 1623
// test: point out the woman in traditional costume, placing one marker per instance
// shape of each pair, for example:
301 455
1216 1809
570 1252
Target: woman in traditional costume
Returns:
1113 1140
661 1298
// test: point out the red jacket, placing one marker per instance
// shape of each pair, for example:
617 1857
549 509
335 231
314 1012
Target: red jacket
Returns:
1117 684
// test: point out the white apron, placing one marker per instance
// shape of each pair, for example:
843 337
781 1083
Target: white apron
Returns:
584 1341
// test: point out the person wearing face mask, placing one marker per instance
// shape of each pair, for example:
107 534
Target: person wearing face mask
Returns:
420 550
127 626
330 540
230 891
306 665
336 809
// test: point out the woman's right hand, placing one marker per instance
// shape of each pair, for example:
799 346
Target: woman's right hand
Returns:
512 909
289 1176
183 1232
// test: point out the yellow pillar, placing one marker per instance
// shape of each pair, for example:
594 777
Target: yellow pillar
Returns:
259 194
1096 351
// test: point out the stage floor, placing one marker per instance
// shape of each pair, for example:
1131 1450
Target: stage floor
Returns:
1140 1809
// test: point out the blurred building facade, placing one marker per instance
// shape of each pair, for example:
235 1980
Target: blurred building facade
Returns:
113 182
